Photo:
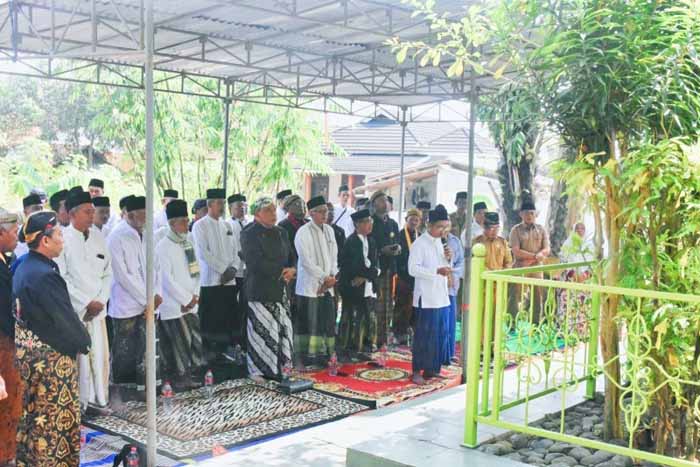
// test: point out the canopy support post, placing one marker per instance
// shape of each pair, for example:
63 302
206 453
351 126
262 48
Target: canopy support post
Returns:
473 103
403 154
150 272
227 130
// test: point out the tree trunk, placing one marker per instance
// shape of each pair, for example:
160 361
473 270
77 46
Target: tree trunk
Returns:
556 218
521 178
609 338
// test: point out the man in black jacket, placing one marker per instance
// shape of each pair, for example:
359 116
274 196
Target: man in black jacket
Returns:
48 338
270 262
386 236
359 272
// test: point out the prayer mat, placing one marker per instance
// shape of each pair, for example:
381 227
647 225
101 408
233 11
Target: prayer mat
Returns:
239 412
98 449
373 386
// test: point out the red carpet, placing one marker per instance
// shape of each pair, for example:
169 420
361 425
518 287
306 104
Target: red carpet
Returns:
377 387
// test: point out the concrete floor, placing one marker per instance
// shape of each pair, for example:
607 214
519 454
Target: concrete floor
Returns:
423 432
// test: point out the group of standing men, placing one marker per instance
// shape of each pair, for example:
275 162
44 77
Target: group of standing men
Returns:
73 301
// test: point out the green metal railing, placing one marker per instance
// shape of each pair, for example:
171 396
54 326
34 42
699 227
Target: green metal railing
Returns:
546 332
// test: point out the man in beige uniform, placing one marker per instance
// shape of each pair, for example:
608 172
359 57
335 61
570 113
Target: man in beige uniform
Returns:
530 244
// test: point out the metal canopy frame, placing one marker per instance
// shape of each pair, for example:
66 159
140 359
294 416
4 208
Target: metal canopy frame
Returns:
326 55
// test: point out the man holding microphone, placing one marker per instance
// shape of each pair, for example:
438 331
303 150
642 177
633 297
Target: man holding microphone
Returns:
428 263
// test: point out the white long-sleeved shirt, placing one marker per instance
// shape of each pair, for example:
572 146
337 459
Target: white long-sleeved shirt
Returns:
281 214
427 255
342 219
86 266
128 292
369 288
237 227
178 285
318 257
217 249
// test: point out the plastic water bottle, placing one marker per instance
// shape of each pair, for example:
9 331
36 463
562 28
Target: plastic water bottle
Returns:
209 383
239 355
391 340
333 365
83 446
167 393
385 353
287 371
409 338
132 459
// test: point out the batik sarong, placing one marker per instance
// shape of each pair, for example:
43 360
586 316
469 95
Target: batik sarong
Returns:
11 406
49 428
270 338
181 346
385 307
430 344
403 308
315 326
129 353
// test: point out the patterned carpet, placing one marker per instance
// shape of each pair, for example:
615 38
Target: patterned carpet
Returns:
240 411
376 387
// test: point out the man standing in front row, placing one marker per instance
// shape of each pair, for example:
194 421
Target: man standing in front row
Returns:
429 263
181 337
358 285
530 244
48 337
86 267
270 264
318 266
11 404
385 233
128 300
217 252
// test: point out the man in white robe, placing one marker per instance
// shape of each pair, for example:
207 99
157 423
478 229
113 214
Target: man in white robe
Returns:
343 211
161 217
96 188
179 328
223 322
86 266
316 277
478 218
102 214
128 300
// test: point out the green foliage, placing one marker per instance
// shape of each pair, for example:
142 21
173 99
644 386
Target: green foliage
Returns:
51 122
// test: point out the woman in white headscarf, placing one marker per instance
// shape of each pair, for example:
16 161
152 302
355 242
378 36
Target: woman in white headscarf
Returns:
577 248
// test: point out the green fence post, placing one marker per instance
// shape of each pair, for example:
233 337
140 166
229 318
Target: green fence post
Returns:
476 311
593 345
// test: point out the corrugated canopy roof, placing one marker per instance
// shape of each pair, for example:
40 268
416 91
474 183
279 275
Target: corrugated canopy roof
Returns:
290 51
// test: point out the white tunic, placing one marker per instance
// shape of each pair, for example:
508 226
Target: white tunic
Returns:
281 215
128 293
318 257
237 227
476 231
86 267
217 249
178 285
161 220
342 219
111 224
426 256
21 249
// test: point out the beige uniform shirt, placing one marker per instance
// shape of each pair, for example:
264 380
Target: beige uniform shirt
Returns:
498 254
532 238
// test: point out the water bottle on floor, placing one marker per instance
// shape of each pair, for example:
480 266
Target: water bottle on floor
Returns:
391 340
240 355
132 459
333 365
209 383
167 396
